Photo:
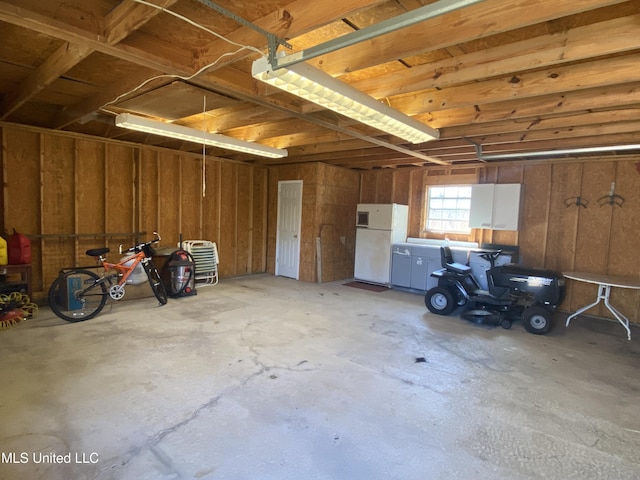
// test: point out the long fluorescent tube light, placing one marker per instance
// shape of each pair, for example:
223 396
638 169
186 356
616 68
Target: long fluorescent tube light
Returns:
568 151
321 88
141 124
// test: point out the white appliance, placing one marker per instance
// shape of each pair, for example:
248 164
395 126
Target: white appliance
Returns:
378 226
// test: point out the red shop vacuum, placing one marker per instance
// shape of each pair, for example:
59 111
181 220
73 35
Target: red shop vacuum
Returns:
179 275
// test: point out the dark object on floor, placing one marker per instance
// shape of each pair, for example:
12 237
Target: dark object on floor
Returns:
367 286
515 293
421 360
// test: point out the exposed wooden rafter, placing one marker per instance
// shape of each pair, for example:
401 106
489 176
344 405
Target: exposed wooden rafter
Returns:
513 76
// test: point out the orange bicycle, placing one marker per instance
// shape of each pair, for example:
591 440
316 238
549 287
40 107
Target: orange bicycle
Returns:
79 294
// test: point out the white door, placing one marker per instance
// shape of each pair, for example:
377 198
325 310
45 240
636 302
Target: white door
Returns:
288 235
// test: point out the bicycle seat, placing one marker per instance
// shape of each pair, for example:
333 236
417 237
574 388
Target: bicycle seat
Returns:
97 252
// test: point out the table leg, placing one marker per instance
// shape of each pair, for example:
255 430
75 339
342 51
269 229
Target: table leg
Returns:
624 321
603 294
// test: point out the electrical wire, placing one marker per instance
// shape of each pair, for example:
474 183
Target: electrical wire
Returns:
204 147
197 25
168 75
181 77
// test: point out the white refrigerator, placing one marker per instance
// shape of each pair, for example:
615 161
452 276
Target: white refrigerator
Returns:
378 226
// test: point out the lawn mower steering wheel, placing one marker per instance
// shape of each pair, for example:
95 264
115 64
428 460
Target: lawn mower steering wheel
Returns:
491 256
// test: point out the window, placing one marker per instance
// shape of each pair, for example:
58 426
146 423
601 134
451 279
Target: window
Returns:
448 208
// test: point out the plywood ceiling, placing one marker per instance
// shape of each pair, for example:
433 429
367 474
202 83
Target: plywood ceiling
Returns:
507 75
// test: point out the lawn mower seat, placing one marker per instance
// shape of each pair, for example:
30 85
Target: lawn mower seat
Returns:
446 258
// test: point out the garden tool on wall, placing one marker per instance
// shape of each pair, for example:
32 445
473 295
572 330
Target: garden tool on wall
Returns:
612 198
576 201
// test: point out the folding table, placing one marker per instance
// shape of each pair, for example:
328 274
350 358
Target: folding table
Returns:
604 282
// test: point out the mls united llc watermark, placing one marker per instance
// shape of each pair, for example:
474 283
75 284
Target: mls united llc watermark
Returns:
49 458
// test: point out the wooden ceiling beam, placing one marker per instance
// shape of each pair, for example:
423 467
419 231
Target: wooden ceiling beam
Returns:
104 98
562 103
123 20
565 132
295 19
470 155
164 64
63 59
322 150
129 14
526 126
28 18
320 139
476 21
509 141
228 118
538 52
330 148
510 108
97 41
128 17
600 73
304 138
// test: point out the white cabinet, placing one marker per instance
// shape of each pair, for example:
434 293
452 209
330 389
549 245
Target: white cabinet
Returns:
481 205
495 206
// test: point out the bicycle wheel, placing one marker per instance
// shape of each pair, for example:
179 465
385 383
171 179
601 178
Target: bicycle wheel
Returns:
76 296
156 282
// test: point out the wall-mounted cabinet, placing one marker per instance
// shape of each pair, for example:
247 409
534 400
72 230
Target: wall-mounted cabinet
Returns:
495 206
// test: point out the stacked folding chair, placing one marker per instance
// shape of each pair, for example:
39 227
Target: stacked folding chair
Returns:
205 256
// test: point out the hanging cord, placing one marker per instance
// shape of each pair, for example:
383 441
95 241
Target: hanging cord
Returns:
204 147
181 77
201 27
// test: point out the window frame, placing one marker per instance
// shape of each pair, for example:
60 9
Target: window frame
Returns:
427 209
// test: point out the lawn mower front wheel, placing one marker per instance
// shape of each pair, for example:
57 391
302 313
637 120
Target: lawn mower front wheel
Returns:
440 300
537 320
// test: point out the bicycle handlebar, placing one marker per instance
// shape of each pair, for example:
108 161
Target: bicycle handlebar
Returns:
137 248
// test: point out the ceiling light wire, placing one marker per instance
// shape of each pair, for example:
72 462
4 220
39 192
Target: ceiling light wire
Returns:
181 77
204 147
179 131
168 75
197 25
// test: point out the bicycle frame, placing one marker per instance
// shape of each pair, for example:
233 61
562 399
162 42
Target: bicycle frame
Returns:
124 271
79 294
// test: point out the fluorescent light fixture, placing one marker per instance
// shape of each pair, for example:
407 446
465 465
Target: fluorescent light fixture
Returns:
551 153
141 124
321 88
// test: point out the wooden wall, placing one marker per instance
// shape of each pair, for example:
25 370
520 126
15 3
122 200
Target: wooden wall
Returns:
71 193
329 200
336 215
596 239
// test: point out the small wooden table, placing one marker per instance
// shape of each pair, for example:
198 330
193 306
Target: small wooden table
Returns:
604 282
25 274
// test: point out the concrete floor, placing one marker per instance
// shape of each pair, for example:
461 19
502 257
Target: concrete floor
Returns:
263 377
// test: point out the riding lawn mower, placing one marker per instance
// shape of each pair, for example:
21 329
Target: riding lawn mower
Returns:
514 292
